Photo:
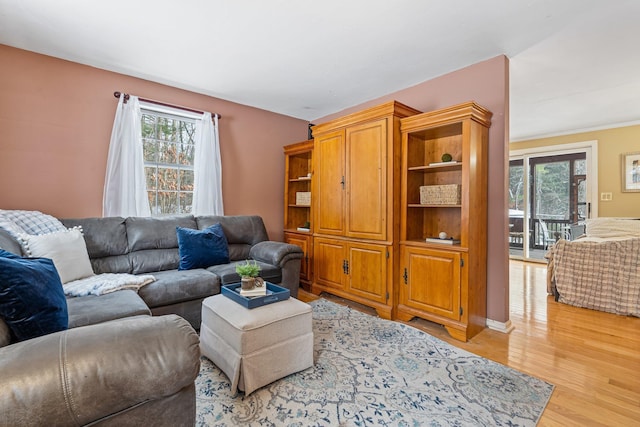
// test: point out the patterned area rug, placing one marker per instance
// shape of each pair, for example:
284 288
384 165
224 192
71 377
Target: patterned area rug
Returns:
374 372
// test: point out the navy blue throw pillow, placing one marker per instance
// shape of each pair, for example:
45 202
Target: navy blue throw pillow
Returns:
202 248
32 301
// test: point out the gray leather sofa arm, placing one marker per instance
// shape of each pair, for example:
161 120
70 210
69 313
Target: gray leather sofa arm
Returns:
275 253
114 372
288 257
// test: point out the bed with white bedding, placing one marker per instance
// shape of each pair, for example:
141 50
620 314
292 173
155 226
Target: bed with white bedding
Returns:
600 271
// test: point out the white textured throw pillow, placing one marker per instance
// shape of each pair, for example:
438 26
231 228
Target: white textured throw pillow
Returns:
66 248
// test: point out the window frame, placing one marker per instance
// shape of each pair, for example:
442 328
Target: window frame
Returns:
178 115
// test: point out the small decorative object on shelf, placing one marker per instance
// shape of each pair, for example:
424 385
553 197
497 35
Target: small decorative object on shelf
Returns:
447 159
305 227
443 235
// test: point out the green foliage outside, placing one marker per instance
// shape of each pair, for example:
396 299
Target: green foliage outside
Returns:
168 150
552 188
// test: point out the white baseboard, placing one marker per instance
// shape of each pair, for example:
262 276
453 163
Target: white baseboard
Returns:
504 327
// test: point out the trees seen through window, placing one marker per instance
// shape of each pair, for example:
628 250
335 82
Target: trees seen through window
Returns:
168 146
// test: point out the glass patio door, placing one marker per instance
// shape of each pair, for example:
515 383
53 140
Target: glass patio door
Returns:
517 207
549 199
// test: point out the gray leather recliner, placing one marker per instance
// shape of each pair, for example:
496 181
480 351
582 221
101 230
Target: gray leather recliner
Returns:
127 372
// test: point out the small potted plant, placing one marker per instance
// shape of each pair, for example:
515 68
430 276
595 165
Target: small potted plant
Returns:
248 272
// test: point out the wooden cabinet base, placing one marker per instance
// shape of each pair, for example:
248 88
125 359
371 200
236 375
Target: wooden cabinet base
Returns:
458 330
304 241
305 286
383 310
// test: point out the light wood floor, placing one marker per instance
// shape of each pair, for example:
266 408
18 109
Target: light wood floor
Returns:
592 358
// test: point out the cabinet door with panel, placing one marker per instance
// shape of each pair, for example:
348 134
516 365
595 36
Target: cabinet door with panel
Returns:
430 281
329 183
304 242
354 270
329 264
368 267
366 180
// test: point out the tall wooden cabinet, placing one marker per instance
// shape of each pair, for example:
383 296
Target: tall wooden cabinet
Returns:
298 217
355 188
442 281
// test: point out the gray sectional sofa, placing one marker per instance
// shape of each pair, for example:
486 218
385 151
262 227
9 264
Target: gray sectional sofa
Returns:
131 358
150 245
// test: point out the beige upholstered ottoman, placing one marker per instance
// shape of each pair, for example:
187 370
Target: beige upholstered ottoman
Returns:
258 346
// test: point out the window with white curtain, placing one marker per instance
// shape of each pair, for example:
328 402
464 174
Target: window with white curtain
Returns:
168 143
162 161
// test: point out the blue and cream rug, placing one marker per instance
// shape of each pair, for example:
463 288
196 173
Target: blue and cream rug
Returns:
374 372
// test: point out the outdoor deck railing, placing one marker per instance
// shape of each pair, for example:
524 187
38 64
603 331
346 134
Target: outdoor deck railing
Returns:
558 228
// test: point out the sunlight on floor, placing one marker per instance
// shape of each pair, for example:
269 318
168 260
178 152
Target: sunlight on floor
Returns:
528 290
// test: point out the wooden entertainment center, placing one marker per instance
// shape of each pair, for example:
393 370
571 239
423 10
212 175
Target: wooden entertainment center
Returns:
368 223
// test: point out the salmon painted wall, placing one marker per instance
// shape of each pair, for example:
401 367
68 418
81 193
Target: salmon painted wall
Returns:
56 118
486 83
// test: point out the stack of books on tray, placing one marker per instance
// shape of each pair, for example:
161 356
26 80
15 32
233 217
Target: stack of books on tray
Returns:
258 291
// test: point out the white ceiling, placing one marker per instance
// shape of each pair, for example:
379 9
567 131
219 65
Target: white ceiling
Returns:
574 63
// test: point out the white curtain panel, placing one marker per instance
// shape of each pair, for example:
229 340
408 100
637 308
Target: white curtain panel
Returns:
125 187
207 168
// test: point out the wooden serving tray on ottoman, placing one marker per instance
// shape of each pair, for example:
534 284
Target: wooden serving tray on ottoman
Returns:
275 293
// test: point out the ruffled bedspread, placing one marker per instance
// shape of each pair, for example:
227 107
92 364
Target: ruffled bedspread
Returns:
598 274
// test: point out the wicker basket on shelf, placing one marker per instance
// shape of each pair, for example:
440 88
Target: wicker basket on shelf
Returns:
447 194
303 198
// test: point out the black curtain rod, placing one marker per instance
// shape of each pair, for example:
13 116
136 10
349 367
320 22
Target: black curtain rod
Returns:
164 104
